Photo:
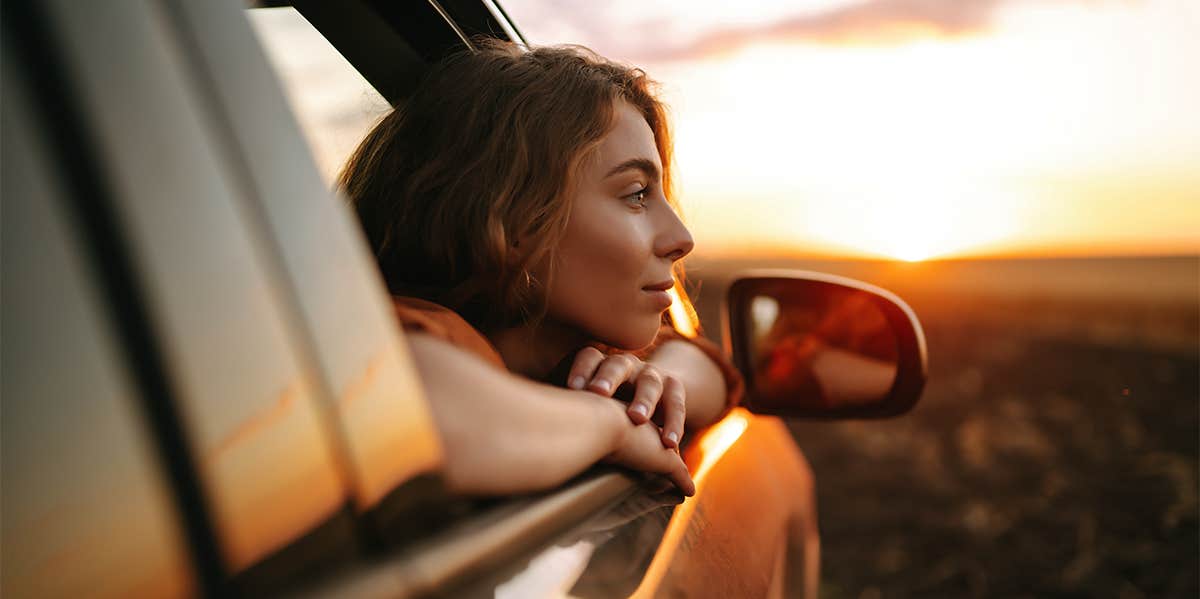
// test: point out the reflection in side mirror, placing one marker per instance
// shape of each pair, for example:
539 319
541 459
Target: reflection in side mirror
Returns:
816 345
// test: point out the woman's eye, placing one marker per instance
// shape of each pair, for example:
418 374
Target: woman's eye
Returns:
637 199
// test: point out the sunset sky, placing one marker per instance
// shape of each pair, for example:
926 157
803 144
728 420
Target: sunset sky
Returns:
907 129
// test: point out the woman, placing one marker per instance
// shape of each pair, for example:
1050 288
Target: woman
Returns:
519 208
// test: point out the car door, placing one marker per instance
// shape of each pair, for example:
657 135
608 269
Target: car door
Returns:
265 372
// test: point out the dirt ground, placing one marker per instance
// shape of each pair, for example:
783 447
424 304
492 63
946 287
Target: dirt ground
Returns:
1053 454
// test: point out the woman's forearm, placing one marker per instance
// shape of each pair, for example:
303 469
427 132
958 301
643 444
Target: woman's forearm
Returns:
504 434
702 379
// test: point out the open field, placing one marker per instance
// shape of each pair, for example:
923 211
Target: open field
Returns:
1055 451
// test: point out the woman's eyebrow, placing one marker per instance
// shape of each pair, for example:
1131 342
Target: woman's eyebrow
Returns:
645 165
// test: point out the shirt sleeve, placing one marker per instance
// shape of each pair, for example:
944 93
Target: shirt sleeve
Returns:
433 319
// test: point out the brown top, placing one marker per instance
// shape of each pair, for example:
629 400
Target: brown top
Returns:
434 319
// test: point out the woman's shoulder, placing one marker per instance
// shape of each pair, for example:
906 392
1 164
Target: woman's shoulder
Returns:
420 315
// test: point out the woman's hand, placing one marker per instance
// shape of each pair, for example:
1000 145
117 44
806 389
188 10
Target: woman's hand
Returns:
596 372
503 434
639 449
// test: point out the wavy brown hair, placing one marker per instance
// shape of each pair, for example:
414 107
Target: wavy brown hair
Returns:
482 157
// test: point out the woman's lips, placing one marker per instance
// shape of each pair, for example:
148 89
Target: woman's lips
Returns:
660 297
660 286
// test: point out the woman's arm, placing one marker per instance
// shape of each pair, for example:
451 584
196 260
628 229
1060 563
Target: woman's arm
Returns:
505 434
701 378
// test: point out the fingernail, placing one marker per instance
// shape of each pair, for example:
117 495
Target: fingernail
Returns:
673 437
576 382
603 386
639 409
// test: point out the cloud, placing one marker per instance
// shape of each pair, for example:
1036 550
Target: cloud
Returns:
878 21
649 38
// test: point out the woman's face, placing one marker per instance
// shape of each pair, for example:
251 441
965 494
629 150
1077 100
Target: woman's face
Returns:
615 259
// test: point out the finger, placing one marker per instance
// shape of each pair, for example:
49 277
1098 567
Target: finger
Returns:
613 371
649 390
680 476
674 404
584 367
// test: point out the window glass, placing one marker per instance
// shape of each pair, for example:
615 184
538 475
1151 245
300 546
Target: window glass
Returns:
337 298
336 107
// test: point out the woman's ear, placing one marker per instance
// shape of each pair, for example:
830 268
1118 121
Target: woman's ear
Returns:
515 254
520 246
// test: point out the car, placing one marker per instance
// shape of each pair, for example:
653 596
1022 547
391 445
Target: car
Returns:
204 391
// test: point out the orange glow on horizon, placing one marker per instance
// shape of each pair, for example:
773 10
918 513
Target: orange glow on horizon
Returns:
1002 142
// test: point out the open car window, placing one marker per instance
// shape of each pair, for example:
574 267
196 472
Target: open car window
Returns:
333 103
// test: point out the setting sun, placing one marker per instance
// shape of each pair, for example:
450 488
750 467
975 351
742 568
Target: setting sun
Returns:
914 220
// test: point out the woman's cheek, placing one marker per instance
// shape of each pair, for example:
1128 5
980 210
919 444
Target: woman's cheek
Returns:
632 267
606 256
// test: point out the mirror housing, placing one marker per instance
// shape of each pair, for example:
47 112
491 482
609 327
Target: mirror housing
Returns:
814 345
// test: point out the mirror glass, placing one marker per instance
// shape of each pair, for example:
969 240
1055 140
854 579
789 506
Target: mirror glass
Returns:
821 346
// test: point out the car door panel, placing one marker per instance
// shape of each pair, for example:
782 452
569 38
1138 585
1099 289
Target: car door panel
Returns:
248 404
84 493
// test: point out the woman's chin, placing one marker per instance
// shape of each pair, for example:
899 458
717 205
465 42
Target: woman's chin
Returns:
635 339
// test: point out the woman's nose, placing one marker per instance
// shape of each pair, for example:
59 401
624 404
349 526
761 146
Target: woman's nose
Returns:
674 241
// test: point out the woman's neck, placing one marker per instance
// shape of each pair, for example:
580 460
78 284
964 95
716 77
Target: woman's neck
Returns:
533 351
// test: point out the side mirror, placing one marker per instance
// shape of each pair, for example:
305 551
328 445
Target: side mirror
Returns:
812 345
